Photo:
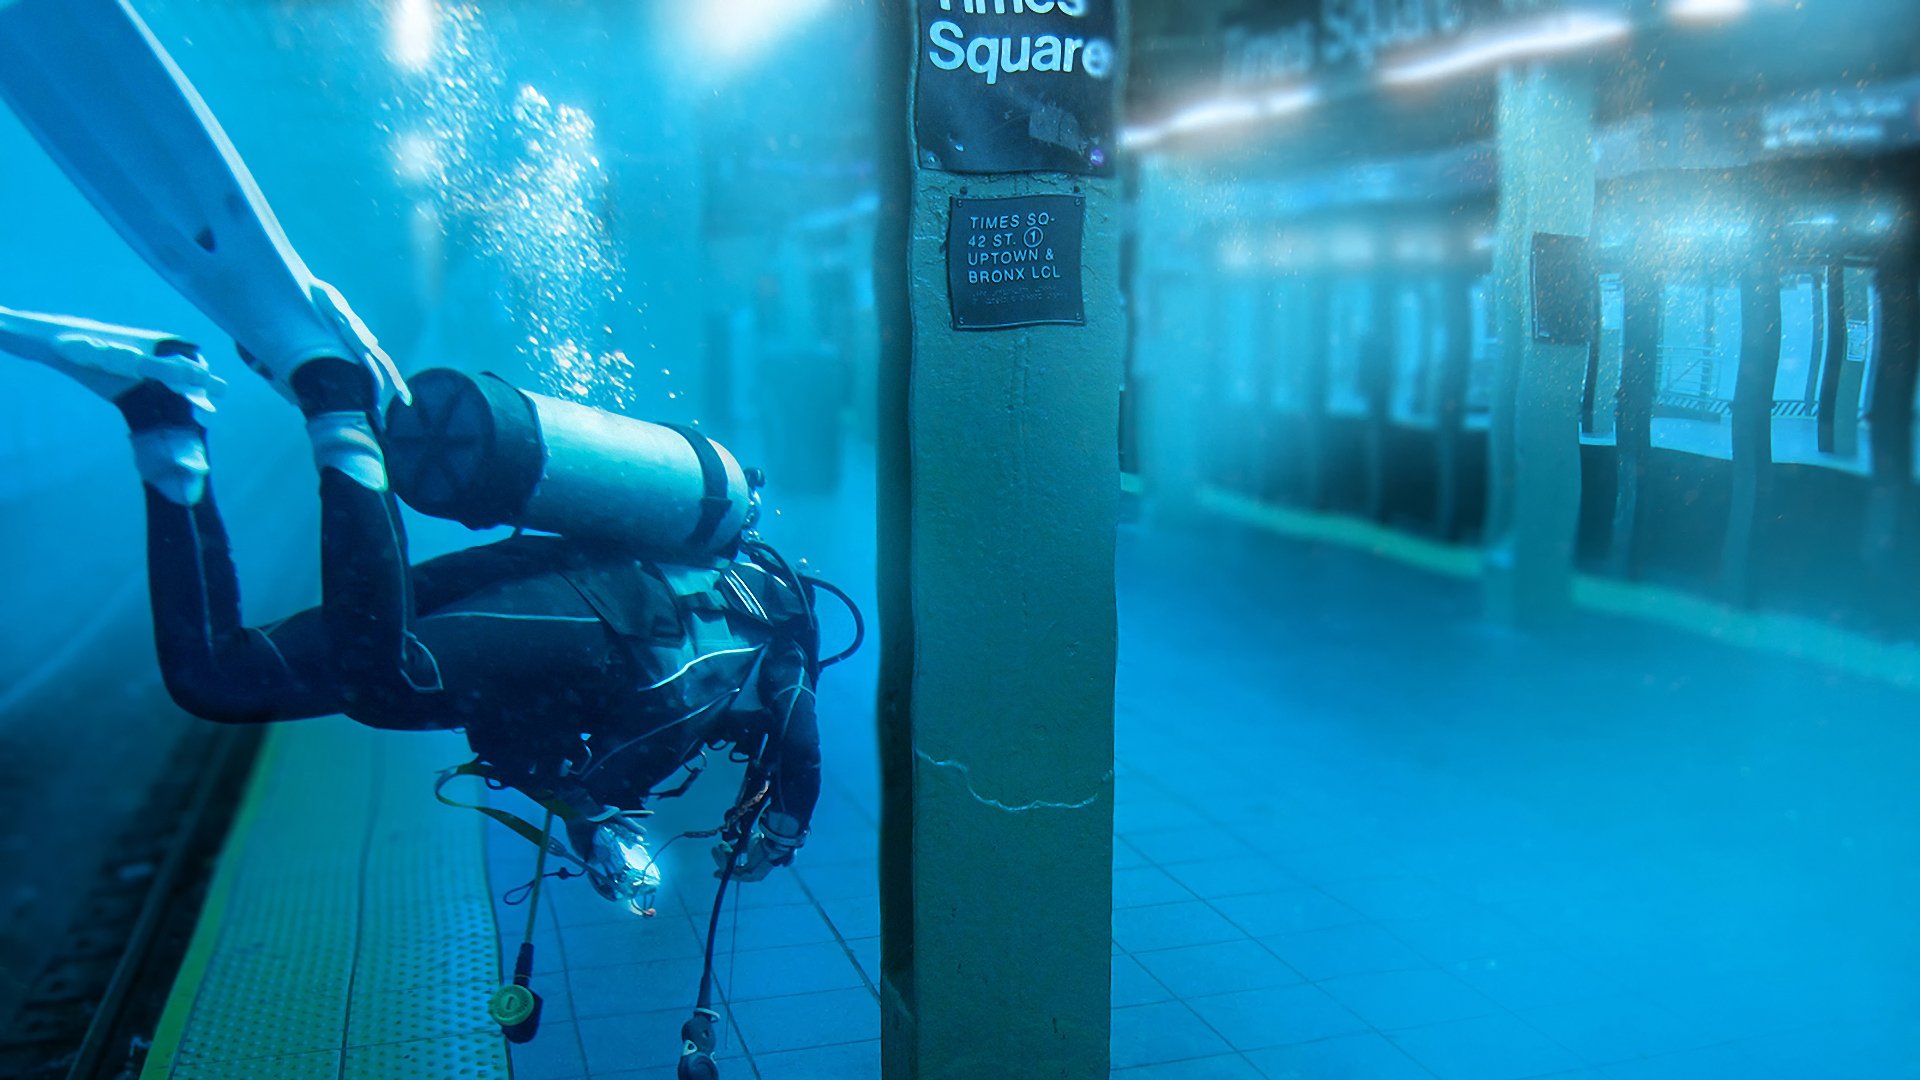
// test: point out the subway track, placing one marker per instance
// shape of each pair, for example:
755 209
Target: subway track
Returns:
90 1008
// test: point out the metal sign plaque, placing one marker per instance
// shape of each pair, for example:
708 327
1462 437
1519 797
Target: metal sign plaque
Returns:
1016 85
1015 261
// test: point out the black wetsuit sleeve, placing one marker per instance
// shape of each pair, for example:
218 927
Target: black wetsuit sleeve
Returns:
787 689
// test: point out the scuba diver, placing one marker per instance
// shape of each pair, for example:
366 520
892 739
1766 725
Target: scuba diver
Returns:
585 669
633 622
583 672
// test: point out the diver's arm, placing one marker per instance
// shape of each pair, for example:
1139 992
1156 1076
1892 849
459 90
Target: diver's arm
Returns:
796 777
794 756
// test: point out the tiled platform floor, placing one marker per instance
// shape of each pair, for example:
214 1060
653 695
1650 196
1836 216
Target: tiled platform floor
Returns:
795 959
1402 843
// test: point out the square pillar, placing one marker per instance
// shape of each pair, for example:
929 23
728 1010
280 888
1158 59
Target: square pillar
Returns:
1546 186
999 492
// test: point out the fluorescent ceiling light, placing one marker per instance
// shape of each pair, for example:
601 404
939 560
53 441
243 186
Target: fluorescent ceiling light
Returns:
417 158
1222 112
411 33
1706 10
735 33
1212 114
1290 101
1549 36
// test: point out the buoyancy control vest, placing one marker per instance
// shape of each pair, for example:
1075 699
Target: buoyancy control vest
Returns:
696 634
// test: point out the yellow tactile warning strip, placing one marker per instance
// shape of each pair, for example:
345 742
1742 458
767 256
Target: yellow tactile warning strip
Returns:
348 932
1794 636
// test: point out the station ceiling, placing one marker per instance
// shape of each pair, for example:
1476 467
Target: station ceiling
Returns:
1189 52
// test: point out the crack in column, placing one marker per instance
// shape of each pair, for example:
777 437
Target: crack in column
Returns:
966 775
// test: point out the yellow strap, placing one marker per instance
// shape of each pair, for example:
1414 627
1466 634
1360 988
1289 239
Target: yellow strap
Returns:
531 833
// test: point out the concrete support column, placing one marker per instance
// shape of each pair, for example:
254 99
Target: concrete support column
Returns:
1890 506
1453 310
1546 185
1265 473
1633 409
999 490
1172 399
1752 417
1311 342
1833 294
1378 346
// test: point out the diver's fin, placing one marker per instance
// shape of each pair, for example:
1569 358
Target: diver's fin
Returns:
91 83
110 359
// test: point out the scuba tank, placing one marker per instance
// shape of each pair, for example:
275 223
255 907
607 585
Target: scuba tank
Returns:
474 449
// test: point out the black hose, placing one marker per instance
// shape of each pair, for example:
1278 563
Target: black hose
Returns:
853 609
704 1000
696 1035
797 583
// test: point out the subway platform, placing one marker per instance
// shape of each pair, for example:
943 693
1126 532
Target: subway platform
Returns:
358 927
1360 833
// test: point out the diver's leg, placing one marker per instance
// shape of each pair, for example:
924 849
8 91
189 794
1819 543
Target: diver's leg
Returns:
213 666
364 585
526 640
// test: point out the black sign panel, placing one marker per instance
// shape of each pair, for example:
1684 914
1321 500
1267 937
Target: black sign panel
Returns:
1016 85
1015 261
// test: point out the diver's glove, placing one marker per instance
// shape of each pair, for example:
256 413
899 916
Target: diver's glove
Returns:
775 840
619 866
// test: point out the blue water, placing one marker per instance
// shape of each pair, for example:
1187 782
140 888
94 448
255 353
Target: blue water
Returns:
1360 829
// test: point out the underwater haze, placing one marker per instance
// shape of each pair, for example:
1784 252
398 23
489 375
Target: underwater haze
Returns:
1498 420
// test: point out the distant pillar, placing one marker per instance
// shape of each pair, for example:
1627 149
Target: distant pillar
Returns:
1265 473
1546 186
1452 293
998 496
1752 418
1378 345
1640 288
1887 550
1313 342
1834 316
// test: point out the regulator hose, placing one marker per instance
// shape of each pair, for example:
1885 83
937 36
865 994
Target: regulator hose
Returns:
853 609
697 1035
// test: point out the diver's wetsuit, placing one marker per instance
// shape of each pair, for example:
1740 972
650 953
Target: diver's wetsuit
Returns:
531 645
